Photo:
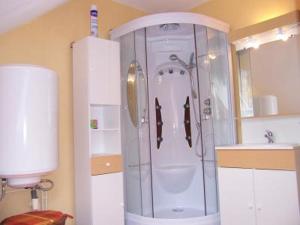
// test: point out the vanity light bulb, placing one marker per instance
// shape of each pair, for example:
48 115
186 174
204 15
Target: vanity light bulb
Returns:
256 45
282 37
252 44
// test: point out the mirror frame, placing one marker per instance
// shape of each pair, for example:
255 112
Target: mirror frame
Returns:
134 72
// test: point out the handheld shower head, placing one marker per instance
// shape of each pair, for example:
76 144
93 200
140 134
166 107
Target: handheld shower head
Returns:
192 58
189 67
173 57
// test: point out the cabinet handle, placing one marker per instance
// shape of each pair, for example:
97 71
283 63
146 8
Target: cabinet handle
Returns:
159 123
107 164
187 121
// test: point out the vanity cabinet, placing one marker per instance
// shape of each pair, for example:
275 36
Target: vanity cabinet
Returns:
258 197
97 136
258 186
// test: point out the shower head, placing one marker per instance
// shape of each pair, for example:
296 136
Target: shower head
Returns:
169 26
189 67
173 57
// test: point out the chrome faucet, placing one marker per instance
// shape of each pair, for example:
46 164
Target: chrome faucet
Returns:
269 135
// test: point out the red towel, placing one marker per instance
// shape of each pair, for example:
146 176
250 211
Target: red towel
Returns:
37 218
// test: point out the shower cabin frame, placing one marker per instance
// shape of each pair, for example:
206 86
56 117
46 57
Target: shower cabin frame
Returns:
170 18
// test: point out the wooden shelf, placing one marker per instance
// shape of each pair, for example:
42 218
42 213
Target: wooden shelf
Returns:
104 130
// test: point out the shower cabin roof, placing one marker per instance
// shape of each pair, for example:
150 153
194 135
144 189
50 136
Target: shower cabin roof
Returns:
168 18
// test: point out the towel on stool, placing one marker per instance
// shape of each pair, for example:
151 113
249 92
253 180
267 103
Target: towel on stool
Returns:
37 218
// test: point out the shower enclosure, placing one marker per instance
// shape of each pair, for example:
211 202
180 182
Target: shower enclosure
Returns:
176 106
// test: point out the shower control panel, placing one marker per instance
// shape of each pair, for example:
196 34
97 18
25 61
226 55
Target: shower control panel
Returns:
207 111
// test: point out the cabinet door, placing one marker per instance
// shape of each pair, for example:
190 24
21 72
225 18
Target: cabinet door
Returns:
236 196
104 72
276 197
107 199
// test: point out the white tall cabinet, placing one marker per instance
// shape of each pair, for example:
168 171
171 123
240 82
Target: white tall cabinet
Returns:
97 138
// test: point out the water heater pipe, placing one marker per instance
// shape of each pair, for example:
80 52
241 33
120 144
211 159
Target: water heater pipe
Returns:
3 189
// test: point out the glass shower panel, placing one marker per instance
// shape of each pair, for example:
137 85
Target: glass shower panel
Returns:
143 123
130 134
176 149
206 99
220 85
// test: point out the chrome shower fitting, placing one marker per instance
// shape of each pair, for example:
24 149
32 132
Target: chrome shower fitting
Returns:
3 183
269 135
189 67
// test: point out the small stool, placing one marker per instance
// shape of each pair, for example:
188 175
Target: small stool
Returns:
37 218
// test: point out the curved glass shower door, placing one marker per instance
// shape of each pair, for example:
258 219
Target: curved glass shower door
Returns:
135 126
175 107
177 154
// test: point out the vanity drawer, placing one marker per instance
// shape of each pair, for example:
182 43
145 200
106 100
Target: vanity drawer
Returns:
258 159
106 164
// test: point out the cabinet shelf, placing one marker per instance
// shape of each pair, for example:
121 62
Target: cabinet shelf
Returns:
106 129
105 132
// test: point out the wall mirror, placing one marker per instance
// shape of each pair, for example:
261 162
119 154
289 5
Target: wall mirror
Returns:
136 94
268 70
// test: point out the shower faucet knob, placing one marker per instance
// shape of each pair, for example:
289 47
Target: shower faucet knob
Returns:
207 102
207 111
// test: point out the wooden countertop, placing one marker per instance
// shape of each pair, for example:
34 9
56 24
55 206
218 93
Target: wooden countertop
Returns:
275 159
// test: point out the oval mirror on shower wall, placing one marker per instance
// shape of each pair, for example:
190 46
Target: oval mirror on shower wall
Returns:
136 93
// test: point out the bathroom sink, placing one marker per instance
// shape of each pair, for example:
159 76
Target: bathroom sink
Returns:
280 146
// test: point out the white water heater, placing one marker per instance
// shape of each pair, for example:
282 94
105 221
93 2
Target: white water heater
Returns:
28 123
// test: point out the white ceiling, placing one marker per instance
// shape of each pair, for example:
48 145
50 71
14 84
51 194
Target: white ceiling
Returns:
16 12
154 6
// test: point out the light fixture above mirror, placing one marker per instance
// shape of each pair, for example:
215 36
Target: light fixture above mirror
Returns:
280 33
266 59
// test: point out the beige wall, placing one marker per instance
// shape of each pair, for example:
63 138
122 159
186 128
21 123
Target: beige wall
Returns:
241 13
46 41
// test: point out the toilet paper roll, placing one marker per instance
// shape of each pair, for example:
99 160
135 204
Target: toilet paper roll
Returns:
265 105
